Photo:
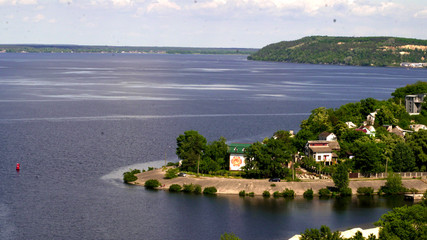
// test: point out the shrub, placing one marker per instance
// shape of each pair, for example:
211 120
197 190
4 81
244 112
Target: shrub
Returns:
175 188
210 190
251 194
229 236
197 189
130 176
170 164
308 193
324 192
413 190
150 169
273 185
365 191
188 188
277 194
242 193
393 184
266 193
172 173
152 183
288 193
345 192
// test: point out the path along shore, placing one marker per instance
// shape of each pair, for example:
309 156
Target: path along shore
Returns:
258 186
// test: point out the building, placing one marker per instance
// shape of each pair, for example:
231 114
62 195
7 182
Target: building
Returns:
327 136
413 103
322 151
237 158
369 130
417 127
350 125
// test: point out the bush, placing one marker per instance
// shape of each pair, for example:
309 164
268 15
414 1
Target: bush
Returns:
150 169
242 193
277 194
266 193
197 189
152 183
175 188
210 190
324 192
308 193
172 173
288 193
365 191
346 192
170 164
229 236
393 184
130 176
251 194
188 188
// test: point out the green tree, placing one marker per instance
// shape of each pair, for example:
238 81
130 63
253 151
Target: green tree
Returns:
368 156
215 156
340 177
418 144
229 236
171 173
403 159
318 121
367 106
323 234
405 222
189 148
393 184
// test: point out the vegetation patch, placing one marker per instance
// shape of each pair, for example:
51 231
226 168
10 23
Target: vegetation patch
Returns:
242 193
172 173
175 188
393 185
266 193
324 192
368 191
188 188
288 193
210 191
277 194
152 183
130 176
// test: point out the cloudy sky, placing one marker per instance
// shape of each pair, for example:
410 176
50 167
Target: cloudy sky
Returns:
204 23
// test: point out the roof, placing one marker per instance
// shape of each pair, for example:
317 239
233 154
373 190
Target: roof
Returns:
321 149
324 134
332 144
238 148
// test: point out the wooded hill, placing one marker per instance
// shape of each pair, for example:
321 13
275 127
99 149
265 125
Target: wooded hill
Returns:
358 51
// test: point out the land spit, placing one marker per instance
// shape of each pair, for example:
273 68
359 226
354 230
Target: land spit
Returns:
258 186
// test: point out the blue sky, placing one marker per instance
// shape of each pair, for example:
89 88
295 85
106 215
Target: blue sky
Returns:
204 23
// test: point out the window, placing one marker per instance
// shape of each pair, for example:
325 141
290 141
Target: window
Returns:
319 158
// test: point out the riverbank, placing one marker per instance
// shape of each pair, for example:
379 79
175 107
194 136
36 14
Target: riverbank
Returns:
258 186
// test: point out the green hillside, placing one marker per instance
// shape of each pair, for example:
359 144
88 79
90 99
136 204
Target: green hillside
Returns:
358 51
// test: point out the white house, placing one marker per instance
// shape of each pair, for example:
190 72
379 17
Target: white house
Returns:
350 125
417 127
322 151
369 130
327 136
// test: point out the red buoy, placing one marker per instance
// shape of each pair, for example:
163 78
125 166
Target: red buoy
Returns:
18 167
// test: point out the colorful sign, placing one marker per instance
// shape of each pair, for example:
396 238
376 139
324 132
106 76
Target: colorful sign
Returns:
236 162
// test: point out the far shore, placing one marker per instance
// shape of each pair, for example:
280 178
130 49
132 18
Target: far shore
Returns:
234 185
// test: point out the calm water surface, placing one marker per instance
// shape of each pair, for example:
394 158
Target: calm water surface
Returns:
76 122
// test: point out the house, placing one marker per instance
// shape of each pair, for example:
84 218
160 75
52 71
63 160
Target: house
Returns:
396 130
322 151
369 130
350 125
327 136
417 127
370 119
237 158
413 103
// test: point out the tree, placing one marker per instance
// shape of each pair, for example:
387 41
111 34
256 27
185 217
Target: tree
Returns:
403 159
367 106
393 184
368 156
324 234
229 236
340 177
418 144
318 121
215 156
189 148
404 223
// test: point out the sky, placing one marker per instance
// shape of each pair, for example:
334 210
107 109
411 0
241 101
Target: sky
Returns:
204 23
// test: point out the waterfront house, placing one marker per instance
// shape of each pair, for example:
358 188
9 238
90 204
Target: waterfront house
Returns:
413 103
327 136
237 155
322 151
369 130
417 127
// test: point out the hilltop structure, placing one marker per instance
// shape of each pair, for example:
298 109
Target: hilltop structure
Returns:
413 103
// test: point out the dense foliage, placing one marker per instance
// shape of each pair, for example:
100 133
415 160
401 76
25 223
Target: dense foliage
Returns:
393 184
175 188
340 177
210 190
130 176
360 51
172 173
152 183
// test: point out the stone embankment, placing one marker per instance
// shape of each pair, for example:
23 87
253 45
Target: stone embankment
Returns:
258 186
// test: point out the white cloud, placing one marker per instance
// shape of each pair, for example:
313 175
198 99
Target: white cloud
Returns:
39 17
160 5
52 20
421 14
15 2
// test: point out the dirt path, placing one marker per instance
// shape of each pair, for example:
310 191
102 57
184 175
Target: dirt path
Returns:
258 186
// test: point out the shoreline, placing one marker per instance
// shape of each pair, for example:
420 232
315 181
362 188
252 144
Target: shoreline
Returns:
232 186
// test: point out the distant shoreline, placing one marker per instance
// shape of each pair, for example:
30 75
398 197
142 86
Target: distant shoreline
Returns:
233 186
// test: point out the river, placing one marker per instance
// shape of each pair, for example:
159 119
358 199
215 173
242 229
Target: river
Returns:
76 122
